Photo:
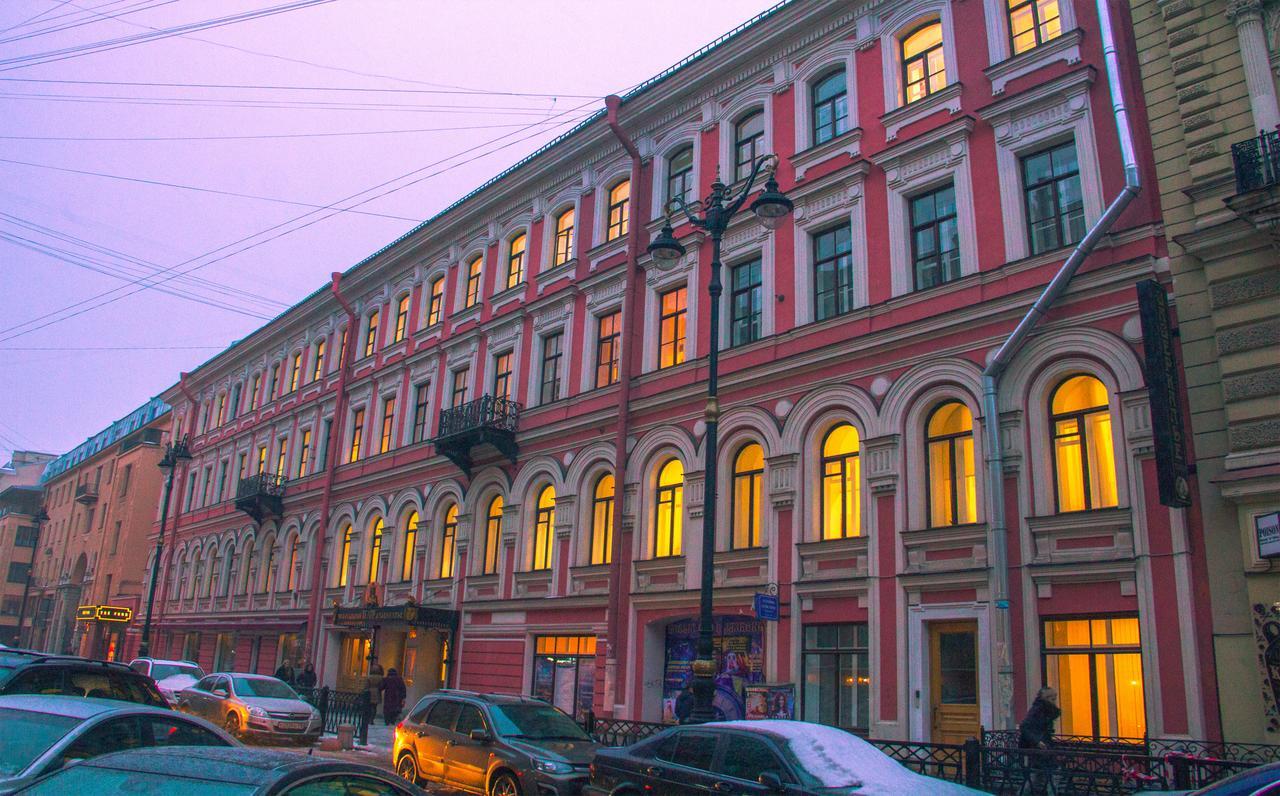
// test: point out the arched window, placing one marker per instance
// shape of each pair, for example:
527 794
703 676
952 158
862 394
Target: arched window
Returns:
268 567
473 280
923 67
748 473
830 99
410 541
602 520
402 319
291 574
436 306
564 238
841 478
317 357
544 528
953 496
668 516
515 261
344 556
448 541
228 571
371 334
1084 464
680 174
492 535
247 558
375 548
619 210
748 143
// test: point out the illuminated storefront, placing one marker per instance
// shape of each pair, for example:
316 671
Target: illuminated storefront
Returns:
564 671
1096 666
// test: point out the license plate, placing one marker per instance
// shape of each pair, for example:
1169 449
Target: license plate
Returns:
292 725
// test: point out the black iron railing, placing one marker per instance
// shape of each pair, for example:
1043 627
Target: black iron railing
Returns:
260 485
86 493
341 707
1257 161
486 412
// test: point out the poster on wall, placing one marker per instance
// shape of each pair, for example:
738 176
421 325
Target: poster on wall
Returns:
738 646
776 701
1267 526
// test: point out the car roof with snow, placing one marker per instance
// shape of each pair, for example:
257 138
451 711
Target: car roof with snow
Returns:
73 706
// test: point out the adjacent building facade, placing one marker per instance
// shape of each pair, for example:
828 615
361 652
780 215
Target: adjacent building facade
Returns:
477 456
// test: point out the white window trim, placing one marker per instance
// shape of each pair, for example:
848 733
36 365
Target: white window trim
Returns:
742 243
348 434
917 166
1000 49
897 113
504 255
438 272
391 392
548 248
657 282
591 336
760 97
491 368
464 263
533 393
672 143
1031 120
839 54
825 205
915 439
600 229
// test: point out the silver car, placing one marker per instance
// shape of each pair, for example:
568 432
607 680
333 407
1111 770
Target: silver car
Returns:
42 733
252 705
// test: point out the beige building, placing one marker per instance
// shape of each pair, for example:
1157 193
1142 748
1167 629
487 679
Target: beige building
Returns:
1209 73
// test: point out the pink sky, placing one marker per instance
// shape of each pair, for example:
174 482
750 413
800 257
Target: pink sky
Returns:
53 398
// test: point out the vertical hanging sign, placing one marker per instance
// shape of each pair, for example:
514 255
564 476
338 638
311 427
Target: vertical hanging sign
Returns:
1167 429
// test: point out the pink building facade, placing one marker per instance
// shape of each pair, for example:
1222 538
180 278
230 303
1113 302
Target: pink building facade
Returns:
543 535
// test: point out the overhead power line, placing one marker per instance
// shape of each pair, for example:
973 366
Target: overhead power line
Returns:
293 105
145 6
30 20
274 87
110 347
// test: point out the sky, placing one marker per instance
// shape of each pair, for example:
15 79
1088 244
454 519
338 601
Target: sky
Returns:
116 273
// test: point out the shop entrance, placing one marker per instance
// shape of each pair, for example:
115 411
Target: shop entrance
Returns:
953 681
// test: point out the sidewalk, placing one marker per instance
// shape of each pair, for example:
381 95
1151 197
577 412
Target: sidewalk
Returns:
375 753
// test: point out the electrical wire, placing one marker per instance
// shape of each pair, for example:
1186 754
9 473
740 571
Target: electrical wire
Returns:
30 20
112 348
276 87
78 23
292 105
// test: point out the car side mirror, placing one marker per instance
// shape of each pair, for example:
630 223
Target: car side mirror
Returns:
771 781
479 735
220 692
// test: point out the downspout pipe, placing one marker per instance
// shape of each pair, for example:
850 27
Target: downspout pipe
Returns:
999 534
330 464
614 673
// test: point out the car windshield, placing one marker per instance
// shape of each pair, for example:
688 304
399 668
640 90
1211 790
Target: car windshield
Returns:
159 671
536 722
92 779
262 687
26 734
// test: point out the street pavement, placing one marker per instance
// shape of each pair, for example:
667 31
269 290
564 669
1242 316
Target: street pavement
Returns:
376 753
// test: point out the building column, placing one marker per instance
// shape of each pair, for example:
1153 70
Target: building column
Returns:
1247 16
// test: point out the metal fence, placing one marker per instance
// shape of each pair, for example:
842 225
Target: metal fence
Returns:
341 707
1257 161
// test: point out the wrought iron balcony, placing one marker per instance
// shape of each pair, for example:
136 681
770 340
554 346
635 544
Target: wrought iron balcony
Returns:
1257 162
261 496
86 493
486 420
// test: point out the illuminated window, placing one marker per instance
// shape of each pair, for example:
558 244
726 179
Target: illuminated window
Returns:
375 549
602 520
748 143
449 541
1055 204
744 303
458 396
410 540
318 367
564 238
1032 23
923 68
544 528
342 349
564 673
473 281
255 391
832 272
371 334
680 175
671 327
953 497
344 556
935 238
668 520
402 319
291 573
1084 464
502 375
515 262
388 425
492 535
268 569
830 99
304 453
436 307
282 457
357 431
619 210
549 389
295 371
274 386
262 458
222 408
841 492
748 473
1096 667
608 340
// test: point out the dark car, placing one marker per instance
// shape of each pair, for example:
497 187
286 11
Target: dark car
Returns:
1260 781
212 771
493 744
28 672
757 757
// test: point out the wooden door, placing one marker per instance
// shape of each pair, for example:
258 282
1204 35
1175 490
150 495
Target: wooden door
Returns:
953 681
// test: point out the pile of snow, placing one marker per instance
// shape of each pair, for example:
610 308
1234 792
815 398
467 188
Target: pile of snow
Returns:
176 682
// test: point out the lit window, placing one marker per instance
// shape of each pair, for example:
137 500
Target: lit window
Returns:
671 327
448 541
564 238
342 349
668 517
402 319
222 408
375 549
1055 205
551 355
1032 23
744 303
291 574
318 368
304 455
282 456
841 493
272 389
371 334
830 101
492 535
608 342
436 307
1084 463
458 395
515 262
748 473
344 556
953 497
410 540
923 68
502 375
473 281
935 240
295 373
1096 667
748 143
255 391
357 431
680 175
388 425
544 528
833 272
619 210
602 520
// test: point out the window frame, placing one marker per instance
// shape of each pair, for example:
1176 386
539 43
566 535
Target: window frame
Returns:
756 142
317 367
950 440
842 460
617 212
386 440
815 105
357 434
755 491
421 404
435 300
544 531
552 359
412 522
448 541
1092 652
489 562
1085 440
602 508
459 386
905 62
377 532
679 331
934 225
755 318
670 496
371 323
849 291
344 555
502 374
1036 24
516 259
562 244
401 328
1055 180
613 342
471 285
685 175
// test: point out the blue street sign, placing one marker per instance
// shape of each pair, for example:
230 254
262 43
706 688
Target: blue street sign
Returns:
766 606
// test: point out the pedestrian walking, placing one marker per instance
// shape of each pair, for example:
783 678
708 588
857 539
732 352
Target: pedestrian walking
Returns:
307 679
393 694
684 705
373 687
285 672
1035 735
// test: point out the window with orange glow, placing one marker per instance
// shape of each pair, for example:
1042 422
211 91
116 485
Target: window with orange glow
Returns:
1084 463
602 520
357 431
668 518
492 535
436 307
318 366
410 542
953 496
402 319
375 548
608 345
619 210
841 509
304 454
923 67
544 530
448 541
671 327
371 334
1096 666
388 425
515 262
1032 23
564 238
748 474
473 281
344 556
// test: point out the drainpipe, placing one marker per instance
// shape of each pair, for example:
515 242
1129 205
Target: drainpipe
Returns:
1000 363
615 674
330 465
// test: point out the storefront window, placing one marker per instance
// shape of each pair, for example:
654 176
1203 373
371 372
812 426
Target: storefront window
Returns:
837 675
564 670
224 654
738 647
1096 666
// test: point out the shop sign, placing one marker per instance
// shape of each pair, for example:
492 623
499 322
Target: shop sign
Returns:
1267 527
86 613
103 613
1167 429
738 648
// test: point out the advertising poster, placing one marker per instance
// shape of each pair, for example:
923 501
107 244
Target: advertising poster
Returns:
776 701
1268 529
739 653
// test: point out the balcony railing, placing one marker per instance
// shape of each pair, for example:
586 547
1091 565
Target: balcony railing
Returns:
86 493
486 420
261 496
1257 162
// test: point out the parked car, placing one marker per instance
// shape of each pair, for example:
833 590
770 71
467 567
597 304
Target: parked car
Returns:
169 676
210 771
41 734
252 705
1260 781
757 757
28 672
492 744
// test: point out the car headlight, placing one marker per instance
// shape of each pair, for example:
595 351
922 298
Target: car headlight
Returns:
258 712
315 714
552 766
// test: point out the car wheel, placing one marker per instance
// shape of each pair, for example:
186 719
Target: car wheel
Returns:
232 724
407 768
504 785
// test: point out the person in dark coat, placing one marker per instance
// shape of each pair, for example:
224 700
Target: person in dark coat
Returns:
393 694
285 672
373 690
685 704
307 679
1036 733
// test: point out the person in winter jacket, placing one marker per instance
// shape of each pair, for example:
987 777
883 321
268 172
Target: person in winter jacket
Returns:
285 672
685 704
307 679
1036 730
373 687
393 694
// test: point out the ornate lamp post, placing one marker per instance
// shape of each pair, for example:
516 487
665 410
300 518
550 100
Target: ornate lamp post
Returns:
770 208
174 452
39 518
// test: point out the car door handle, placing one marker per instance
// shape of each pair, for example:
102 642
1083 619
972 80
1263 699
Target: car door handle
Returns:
722 787
653 771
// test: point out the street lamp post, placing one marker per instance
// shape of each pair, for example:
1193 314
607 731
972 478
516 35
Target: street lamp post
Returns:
174 452
39 518
770 208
